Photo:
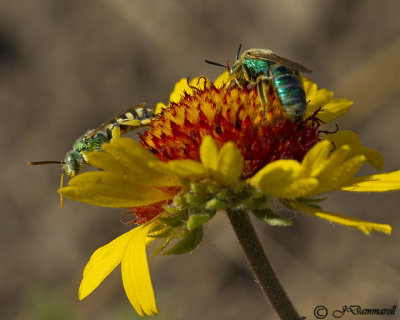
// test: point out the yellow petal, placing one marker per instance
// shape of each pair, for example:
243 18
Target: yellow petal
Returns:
159 108
182 86
209 152
181 168
334 109
331 108
374 183
315 159
178 91
322 164
107 190
123 147
284 179
126 158
102 262
331 169
320 98
104 161
229 164
348 137
336 158
221 80
135 273
362 225
338 174
317 98
310 87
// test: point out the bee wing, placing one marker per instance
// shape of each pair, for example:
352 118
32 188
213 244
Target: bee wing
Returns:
114 119
275 58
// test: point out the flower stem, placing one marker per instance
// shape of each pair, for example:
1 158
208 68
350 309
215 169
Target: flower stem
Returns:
260 265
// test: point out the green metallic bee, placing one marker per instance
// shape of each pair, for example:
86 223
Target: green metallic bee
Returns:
93 140
268 71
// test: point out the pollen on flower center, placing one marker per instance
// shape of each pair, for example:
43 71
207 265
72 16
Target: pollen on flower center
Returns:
229 115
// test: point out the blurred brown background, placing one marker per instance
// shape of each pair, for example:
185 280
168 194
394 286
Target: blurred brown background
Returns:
68 65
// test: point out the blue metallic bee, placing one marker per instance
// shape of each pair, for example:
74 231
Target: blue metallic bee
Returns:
266 71
93 140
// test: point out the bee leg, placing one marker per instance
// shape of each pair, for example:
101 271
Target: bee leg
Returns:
263 85
62 185
232 83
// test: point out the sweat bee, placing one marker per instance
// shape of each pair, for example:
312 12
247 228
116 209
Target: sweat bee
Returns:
268 71
93 140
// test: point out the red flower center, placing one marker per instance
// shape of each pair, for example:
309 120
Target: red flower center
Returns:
230 115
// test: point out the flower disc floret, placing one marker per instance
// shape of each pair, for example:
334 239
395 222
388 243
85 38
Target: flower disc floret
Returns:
229 115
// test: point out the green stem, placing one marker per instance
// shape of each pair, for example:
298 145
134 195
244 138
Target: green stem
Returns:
260 265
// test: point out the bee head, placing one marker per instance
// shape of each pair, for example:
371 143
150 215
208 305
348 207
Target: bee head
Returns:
73 163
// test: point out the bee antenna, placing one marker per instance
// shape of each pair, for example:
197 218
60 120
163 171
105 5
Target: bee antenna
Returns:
62 185
216 63
238 51
35 163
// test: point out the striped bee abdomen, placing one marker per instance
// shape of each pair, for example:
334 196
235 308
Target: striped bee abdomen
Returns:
290 91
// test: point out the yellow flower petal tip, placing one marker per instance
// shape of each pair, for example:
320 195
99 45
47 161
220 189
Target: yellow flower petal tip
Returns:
221 80
383 182
129 250
334 109
135 273
102 262
350 138
362 225
323 99
184 86
159 108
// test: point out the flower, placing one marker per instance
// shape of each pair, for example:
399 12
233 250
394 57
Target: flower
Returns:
212 149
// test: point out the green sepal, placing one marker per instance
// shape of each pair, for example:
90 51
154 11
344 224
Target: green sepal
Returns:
178 200
195 200
165 243
239 186
188 243
311 202
153 232
164 234
287 204
173 211
173 221
252 203
215 204
271 218
212 187
196 220
224 195
198 188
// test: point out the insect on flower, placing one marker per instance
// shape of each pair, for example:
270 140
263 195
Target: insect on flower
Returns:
273 75
75 159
